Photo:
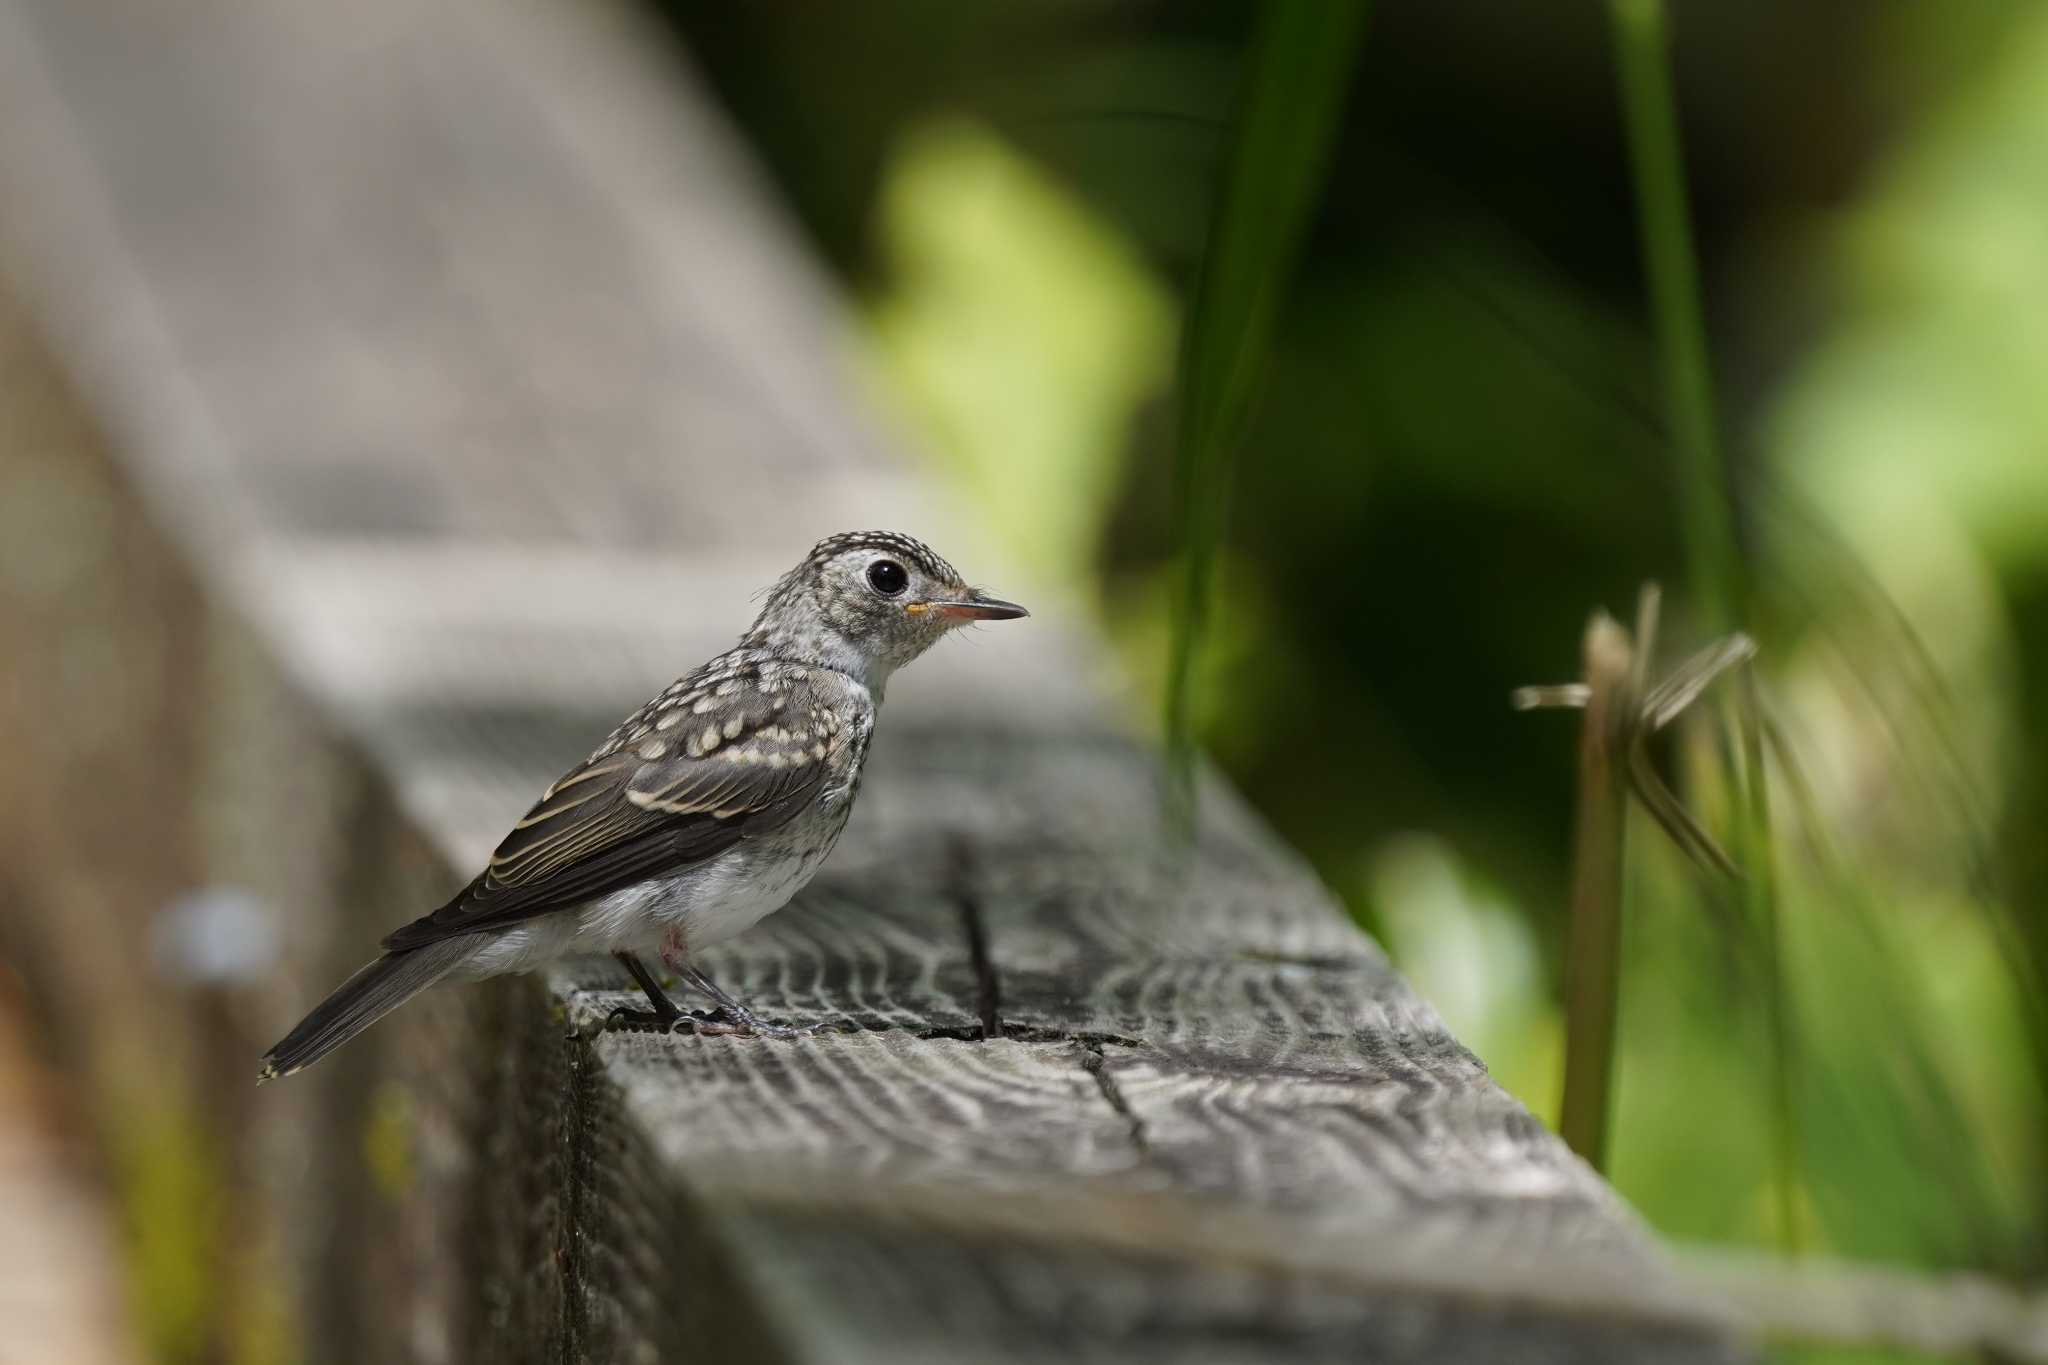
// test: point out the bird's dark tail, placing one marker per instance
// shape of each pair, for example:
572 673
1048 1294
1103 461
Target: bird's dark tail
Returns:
362 1000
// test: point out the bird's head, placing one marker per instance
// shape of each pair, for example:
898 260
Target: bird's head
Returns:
868 602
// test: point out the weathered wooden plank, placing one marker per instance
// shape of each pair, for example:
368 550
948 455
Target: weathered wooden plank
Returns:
1240 1088
1817 1301
457 344
158 762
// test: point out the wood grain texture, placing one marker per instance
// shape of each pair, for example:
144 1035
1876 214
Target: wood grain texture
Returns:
1177 1067
462 350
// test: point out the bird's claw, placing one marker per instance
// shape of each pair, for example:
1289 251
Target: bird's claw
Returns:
639 1021
723 1023
712 1023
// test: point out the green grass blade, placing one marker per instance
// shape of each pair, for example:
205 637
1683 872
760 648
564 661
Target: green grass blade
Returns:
1903 1089
1764 917
1713 558
1650 115
1287 114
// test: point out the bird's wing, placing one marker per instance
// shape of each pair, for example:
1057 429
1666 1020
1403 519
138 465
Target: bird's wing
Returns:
684 779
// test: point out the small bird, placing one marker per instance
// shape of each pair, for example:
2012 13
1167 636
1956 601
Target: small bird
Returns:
705 811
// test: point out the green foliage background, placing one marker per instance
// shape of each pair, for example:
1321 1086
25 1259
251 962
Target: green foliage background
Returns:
1458 449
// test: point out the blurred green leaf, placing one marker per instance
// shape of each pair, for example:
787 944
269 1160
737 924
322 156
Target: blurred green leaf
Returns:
1019 335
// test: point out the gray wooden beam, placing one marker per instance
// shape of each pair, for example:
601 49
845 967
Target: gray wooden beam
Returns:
461 349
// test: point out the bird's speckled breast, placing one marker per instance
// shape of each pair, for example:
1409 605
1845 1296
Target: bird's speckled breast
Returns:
743 886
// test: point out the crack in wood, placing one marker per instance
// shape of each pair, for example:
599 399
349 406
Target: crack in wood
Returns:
1023 1033
1095 1039
989 986
1092 1062
1319 962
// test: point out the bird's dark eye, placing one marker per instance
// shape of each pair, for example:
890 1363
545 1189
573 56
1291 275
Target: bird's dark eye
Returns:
886 577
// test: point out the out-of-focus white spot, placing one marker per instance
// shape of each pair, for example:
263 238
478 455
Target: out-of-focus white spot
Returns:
214 936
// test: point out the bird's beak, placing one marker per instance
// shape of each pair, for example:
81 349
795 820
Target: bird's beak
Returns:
974 605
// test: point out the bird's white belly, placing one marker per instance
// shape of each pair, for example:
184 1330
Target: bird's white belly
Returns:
727 896
708 903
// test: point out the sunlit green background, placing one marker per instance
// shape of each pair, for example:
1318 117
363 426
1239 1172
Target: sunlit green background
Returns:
1459 451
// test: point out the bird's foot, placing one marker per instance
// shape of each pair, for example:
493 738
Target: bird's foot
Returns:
729 1022
641 1021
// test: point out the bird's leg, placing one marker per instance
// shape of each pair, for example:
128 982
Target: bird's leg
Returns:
662 1016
